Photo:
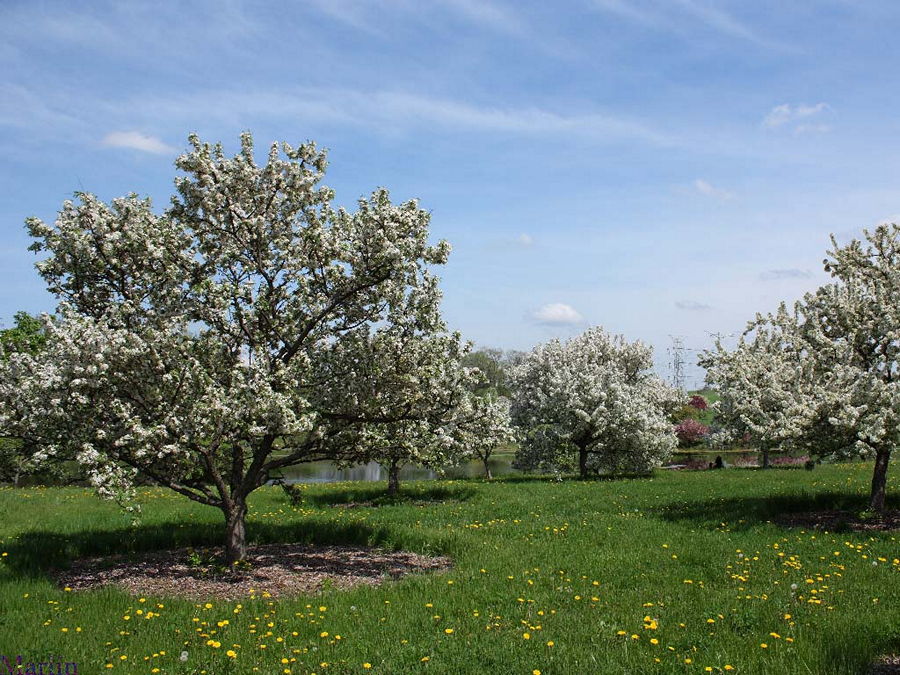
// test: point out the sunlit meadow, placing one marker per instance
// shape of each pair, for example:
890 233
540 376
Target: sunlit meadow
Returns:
679 573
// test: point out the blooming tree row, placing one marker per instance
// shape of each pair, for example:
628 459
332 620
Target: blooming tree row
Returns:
824 375
247 328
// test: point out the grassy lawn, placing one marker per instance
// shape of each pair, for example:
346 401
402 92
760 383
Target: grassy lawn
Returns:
681 573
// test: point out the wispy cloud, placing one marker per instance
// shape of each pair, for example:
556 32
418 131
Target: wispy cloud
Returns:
369 16
787 114
557 314
137 141
707 189
677 15
393 111
692 306
487 14
717 19
790 273
62 116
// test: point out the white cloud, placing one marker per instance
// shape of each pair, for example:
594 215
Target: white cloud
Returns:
137 141
707 189
525 239
692 306
557 314
786 113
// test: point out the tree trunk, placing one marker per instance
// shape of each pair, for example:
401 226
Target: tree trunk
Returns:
487 469
393 487
582 461
765 454
879 480
235 534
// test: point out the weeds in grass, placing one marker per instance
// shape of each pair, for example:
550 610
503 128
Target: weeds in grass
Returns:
680 573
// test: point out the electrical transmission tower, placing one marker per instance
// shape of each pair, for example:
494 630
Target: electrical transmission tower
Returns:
676 351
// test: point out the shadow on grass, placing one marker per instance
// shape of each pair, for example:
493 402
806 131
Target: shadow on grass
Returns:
861 656
35 553
741 513
566 478
375 495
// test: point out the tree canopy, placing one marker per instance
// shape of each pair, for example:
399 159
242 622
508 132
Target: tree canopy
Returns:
238 332
596 397
824 375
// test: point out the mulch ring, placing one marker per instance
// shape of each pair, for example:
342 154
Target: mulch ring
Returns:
886 665
272 570
841 520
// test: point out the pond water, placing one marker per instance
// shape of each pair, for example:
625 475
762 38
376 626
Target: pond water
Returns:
328 472
501 465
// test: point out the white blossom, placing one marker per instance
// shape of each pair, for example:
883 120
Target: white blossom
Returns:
596 398
824 375
206 347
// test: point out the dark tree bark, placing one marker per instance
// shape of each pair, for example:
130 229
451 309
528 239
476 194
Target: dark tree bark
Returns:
487 468
235 532
582 461
393 487
879 480
765 454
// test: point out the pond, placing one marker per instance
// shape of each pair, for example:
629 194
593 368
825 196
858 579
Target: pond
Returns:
501 465
328 472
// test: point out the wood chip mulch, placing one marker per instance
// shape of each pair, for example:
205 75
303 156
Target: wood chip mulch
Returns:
886 665
839 520
274 570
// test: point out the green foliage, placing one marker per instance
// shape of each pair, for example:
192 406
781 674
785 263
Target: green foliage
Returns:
26 335
680 548
494 366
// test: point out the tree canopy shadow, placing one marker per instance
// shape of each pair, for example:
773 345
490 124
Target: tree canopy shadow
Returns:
38 552
374 495
742 513
567 478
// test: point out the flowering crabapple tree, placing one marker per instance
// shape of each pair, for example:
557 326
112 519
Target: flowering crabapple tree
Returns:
486 426
443 423
833 359
205 348
758 383
596 397
26 335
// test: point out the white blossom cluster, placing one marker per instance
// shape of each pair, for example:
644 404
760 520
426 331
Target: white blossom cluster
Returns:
824 375
593 397
243 330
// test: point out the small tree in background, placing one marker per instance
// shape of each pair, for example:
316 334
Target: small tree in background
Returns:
757 382
594 397
690 432
445 421
698 402
27 336
485 426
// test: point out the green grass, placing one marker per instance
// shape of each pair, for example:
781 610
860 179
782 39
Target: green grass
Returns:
578 564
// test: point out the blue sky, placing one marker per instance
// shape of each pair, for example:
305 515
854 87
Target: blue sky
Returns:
659 167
